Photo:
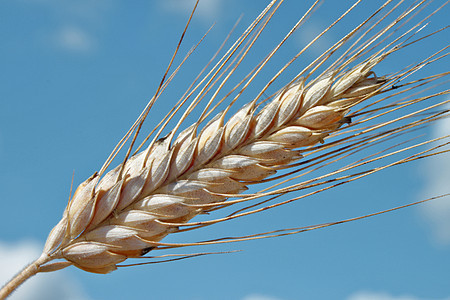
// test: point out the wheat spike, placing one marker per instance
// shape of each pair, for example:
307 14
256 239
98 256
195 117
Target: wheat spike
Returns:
112 219
126 212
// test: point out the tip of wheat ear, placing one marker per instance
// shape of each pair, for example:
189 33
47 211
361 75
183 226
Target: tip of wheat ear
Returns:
116 217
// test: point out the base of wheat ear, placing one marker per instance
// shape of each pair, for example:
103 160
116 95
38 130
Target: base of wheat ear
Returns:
126 212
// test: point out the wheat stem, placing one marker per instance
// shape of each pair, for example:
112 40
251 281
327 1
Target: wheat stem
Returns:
29 271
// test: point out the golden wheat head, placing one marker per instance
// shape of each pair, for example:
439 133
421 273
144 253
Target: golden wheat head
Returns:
326 113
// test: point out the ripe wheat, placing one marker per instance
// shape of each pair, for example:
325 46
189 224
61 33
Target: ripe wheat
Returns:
126 212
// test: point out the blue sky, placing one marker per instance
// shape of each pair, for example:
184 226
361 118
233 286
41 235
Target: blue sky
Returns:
76 74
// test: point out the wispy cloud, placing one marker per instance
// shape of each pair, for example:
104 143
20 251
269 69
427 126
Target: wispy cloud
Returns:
260 297
366 295
74 39
437 179
45 286
207 9
74 25
308 32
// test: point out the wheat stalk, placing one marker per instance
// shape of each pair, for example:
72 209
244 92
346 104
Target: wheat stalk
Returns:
126 212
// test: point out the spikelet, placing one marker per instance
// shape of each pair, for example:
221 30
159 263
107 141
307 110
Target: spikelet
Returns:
127 212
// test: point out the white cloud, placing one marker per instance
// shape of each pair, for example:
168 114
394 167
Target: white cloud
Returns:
259 297
74 39
43 286
366 295
437 178
207 9
308 32
75 24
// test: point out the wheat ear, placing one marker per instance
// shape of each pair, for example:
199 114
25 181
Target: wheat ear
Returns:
126 212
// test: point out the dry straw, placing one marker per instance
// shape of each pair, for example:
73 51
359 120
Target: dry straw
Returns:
310 123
